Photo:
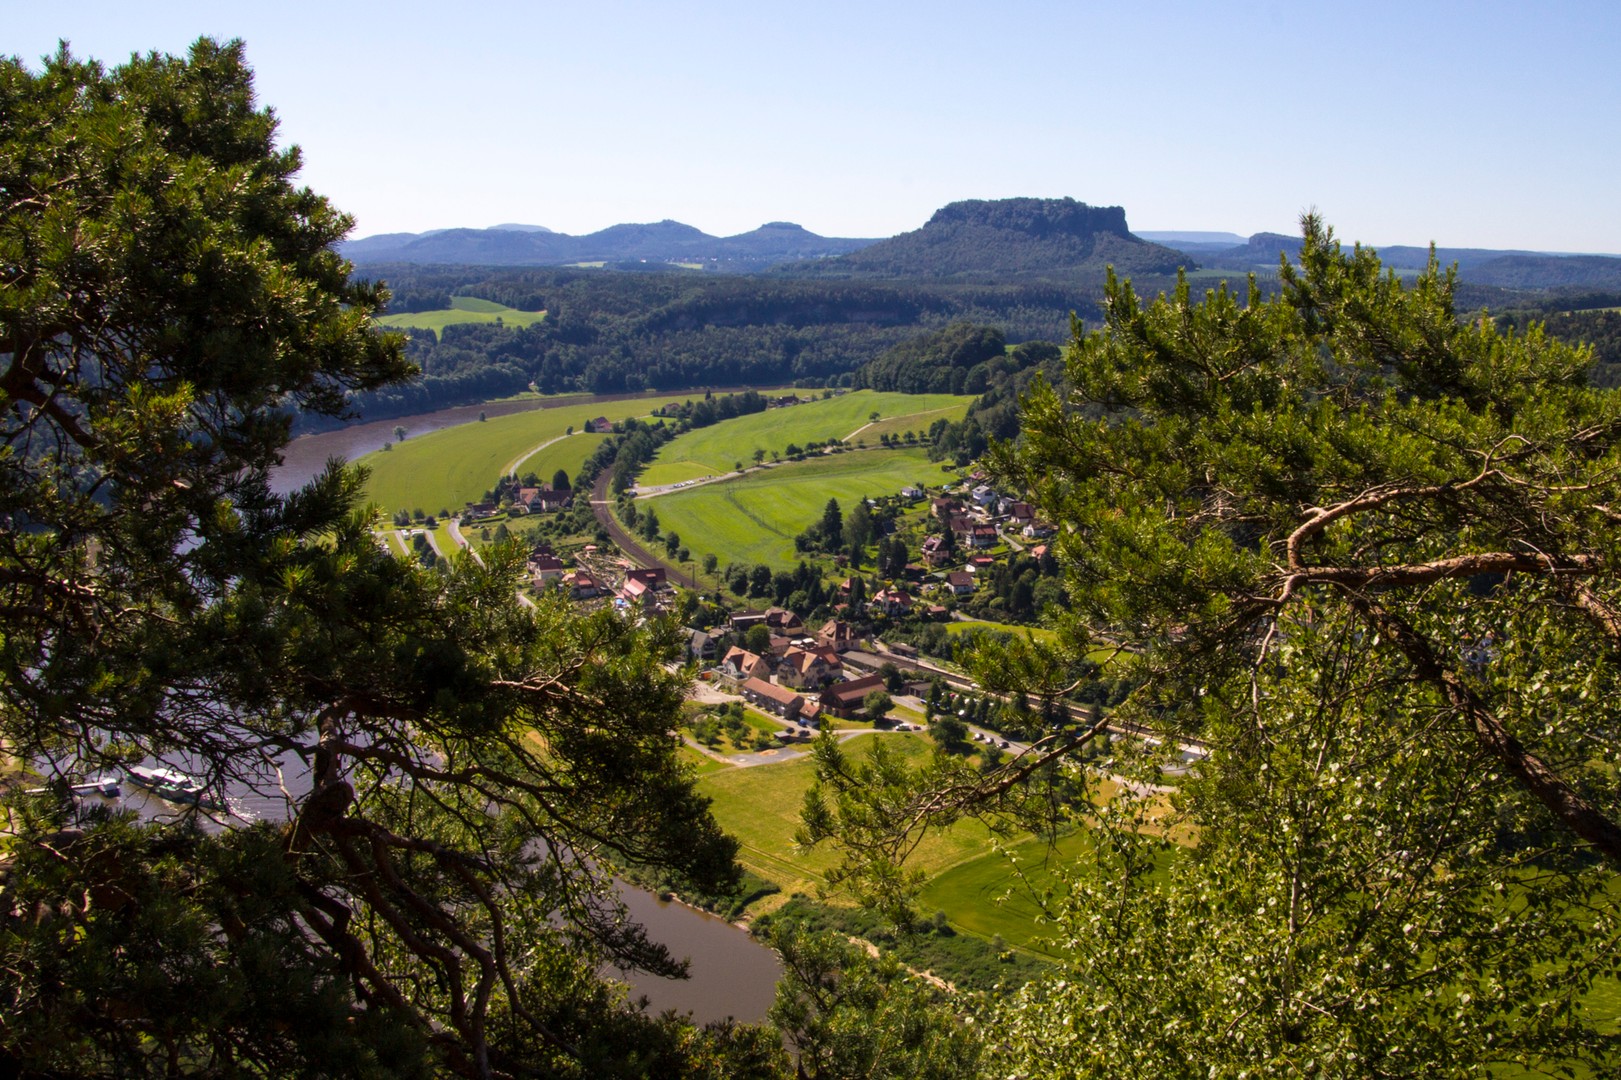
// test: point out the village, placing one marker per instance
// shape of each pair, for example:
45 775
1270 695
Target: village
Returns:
811 676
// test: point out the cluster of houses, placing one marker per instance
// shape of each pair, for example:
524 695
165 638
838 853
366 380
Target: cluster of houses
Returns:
525 500
800 676
978 524
644 590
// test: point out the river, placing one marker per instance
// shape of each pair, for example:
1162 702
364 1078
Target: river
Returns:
730 974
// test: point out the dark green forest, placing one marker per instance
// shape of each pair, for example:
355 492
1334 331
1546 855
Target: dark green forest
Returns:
609 332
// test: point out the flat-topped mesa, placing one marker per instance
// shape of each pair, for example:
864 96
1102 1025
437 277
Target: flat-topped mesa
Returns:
1039 217
996 240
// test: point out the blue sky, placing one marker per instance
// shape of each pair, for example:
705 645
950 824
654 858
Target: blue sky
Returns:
1470 124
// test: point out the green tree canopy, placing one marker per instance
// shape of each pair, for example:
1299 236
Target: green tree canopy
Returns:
1364 552
459 769
1361 555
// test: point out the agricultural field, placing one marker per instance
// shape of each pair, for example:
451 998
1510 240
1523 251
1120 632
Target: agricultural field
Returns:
570 454
462 309
957 628
760 806
897 426
446 468
714 450
754 518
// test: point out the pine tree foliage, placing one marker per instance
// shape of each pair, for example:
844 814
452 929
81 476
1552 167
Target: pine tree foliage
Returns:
458 770
1366 556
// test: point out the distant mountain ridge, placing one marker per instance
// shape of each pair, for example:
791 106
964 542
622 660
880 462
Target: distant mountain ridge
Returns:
1507 269
975 240
657 242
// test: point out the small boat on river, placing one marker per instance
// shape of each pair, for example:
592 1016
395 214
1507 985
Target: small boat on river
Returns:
172 785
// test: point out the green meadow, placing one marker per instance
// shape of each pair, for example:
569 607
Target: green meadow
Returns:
957 628
713 450
568 454
462 309
754 518
446 468
760 806
997 892
897 426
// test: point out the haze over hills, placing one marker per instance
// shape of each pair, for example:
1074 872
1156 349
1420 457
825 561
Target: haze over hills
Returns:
1476 266
658 242
977 240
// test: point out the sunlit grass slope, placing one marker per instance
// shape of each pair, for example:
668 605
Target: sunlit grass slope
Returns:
463 309
715 449
754 518
446 468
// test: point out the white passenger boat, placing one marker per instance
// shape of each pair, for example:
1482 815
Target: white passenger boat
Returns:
172 785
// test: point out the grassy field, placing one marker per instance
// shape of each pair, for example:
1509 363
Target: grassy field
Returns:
754 518
986 895
699 761
958 628
462 309
760 806
715 449
455 465
570 454
916 421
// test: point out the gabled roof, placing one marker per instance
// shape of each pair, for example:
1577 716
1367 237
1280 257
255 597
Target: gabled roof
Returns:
803 660
780 694
740 658
846 693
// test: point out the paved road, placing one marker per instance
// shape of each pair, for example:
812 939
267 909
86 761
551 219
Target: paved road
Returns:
455 530
777 757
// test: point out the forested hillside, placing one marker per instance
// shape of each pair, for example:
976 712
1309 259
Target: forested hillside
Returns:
1018 267
610 332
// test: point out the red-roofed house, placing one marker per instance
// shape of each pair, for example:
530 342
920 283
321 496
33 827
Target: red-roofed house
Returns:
637 591
739 663
804 668
836 634
844 699
783 621
892 601
545 569
654 577
773 699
